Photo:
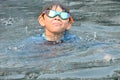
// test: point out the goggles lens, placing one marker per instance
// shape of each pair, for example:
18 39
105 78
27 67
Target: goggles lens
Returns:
62 15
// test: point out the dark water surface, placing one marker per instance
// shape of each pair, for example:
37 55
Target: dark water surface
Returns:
95 57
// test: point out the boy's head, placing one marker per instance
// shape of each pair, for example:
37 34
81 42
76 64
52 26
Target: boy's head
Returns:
55 18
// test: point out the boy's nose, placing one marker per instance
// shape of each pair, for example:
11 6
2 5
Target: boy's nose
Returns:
57 18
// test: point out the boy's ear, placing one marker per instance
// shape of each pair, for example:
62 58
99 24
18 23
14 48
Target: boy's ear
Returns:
71 21
69 26
41 20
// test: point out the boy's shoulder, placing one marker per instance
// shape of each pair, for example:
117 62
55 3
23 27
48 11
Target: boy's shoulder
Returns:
70 37
40 38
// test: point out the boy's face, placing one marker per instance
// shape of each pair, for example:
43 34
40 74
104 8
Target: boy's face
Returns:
56 24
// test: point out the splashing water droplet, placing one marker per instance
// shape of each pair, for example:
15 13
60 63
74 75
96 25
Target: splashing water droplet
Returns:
95 35
26 29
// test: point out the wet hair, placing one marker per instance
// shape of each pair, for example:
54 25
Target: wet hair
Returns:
49 6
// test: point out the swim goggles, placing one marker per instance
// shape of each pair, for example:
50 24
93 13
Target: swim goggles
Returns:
53 13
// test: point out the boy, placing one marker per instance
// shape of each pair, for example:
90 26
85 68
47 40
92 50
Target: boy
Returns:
57 20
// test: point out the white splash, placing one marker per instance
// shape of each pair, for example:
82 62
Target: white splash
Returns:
95 35
108 57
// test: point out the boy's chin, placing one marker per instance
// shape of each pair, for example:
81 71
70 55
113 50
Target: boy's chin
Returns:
57 32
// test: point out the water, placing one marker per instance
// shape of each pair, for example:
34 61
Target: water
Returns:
96 57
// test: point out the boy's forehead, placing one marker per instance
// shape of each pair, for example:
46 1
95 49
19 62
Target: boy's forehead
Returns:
57 7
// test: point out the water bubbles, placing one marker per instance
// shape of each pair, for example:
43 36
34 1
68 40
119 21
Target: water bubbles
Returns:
32 75
13 48
91 36
7 21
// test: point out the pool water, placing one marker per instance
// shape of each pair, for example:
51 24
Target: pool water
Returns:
95 57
